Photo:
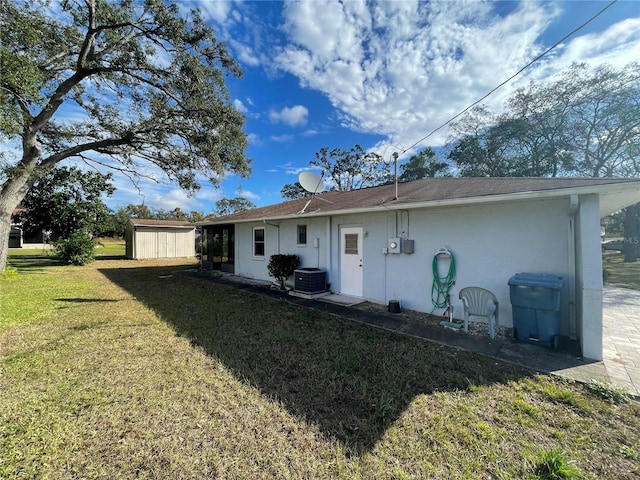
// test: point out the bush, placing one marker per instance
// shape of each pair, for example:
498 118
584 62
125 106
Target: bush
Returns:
77 249
282 266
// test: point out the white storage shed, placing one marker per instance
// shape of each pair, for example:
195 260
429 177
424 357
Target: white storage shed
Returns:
146 238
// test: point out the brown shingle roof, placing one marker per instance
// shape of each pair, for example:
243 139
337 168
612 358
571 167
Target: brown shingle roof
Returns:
148 222
417 193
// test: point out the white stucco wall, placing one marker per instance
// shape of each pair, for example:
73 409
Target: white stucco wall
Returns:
490 244
281 237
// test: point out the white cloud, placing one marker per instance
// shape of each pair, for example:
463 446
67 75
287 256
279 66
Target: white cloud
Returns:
239 106
290 168
218 10
245 54
618 45
293 116
254 140
282 138
249 195
404 68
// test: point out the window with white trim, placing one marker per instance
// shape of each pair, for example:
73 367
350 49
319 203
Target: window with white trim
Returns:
258 242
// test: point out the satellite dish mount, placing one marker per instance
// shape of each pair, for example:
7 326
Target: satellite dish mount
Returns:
311 182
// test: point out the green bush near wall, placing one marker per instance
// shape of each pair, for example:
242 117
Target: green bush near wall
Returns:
282 266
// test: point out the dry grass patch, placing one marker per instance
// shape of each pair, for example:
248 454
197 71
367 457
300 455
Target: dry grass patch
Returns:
132 371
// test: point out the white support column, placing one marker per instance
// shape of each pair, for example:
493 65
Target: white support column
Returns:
589 276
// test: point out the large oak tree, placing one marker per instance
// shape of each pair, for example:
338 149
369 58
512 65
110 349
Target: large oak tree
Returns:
116 83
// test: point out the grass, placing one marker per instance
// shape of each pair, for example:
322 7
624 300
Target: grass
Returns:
126 369
552 465
619 273
106 247
612 393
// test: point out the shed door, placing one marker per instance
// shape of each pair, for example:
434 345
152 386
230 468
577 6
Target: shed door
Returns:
351 276
166 244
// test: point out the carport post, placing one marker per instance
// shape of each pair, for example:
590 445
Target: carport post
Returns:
589 277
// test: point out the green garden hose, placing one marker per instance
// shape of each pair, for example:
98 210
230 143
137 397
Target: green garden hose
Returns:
442 285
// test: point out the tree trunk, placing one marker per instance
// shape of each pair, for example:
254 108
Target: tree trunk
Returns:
11 194
5 229
632 233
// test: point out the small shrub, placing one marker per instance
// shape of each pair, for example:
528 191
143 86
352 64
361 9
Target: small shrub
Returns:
282 266
552 465
608 391
77 249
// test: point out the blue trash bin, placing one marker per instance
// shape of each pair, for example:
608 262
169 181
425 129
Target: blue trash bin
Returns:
535 301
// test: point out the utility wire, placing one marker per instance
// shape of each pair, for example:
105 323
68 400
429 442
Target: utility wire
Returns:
513 76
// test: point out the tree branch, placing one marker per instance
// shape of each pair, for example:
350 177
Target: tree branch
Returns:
52 160
24 105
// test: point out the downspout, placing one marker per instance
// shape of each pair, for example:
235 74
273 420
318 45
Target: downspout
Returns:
201 244
574 205
278 234
329 246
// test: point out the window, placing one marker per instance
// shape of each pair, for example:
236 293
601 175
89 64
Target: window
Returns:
302 235
351 244
258 242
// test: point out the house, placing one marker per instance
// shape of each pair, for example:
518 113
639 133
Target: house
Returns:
379 243
147 239
19 238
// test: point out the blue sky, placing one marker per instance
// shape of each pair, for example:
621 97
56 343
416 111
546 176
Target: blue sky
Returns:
380 74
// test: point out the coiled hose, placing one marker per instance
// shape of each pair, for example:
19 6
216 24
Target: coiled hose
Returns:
442 285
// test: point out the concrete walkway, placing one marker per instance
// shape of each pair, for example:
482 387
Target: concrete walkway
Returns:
621 334
621 337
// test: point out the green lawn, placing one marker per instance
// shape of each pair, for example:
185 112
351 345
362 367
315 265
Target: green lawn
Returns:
619 273
126 369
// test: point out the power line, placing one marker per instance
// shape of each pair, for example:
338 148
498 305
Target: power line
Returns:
513 76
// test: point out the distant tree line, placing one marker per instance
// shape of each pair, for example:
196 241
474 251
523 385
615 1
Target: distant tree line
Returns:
69 200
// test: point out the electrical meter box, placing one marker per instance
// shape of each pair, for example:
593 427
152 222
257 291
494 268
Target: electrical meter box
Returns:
394 245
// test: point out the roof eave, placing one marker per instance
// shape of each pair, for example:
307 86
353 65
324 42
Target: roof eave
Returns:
620 188
185 227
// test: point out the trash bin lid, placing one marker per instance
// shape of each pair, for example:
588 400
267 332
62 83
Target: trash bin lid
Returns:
537 280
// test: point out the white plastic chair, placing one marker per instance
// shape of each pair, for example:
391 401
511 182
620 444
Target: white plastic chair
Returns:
482 303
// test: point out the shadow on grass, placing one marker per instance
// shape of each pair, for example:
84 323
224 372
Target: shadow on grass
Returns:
33 263
351 380
86 300
111 257
39 262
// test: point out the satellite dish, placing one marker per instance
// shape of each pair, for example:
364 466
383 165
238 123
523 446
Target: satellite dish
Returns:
311 182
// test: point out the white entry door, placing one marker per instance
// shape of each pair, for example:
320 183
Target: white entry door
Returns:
351 277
